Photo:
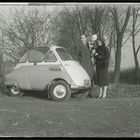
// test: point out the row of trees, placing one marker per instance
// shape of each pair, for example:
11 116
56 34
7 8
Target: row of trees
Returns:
118 24
32 27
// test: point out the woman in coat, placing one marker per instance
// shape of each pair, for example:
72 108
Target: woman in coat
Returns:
102 56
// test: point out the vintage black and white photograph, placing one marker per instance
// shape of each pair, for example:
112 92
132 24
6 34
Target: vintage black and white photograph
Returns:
69 69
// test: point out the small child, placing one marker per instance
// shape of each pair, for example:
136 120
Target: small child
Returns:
92 46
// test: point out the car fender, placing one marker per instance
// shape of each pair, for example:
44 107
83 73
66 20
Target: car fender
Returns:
57 79
11 79
11 84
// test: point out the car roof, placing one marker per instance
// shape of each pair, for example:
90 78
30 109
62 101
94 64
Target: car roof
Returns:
44 49
55 47
41 49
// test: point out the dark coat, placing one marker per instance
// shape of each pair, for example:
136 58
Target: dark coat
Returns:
102 56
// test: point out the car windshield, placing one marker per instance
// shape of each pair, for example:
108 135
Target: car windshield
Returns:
63 53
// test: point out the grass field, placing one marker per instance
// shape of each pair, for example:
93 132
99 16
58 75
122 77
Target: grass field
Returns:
35 116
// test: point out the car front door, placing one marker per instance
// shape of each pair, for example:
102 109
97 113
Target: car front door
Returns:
43 70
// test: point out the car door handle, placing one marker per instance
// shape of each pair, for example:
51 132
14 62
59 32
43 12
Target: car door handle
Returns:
55 68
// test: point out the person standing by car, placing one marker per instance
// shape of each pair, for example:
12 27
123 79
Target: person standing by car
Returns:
90 43
102 56
92 46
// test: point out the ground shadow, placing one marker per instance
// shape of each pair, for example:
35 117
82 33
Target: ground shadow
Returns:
44 94
36 94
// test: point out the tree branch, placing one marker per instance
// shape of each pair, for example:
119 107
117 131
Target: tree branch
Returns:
126 19
138 49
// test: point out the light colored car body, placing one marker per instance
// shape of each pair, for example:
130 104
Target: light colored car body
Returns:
28 75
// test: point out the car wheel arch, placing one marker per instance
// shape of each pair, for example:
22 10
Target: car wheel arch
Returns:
66 90
57 79
47 88
13 84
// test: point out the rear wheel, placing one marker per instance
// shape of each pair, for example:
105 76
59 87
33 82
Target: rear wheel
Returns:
60 91
15 91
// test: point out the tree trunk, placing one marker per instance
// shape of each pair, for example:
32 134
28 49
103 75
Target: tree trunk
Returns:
2 74
120 33
118 60
136 68
134 47
135 57
137 72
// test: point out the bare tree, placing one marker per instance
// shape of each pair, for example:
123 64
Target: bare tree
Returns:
97 19
27 29
2 62
120 30
135 31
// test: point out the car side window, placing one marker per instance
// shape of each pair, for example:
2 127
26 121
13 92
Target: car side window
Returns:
35 56
23 58
50 57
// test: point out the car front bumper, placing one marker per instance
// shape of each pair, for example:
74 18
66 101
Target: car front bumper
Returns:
80 87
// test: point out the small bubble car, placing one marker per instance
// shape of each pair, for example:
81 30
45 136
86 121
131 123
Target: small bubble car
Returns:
51 69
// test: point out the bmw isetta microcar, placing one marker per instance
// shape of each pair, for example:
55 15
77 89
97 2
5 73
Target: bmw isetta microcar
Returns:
51 69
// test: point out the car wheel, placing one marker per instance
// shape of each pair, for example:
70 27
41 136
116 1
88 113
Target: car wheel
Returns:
81 94
60 91
15 91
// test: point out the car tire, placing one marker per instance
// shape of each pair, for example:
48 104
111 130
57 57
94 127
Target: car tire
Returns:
15 91
56 94
81 94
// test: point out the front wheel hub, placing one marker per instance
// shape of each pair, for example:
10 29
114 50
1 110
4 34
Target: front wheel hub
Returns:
60 91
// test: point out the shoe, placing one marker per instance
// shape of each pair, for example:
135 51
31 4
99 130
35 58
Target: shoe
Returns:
104 96
100 97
